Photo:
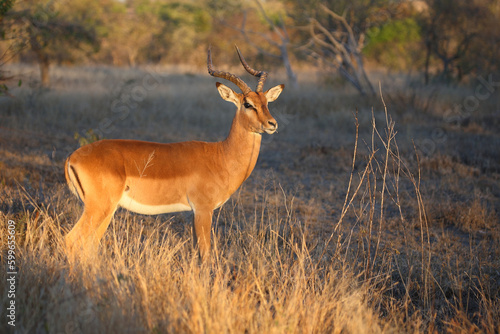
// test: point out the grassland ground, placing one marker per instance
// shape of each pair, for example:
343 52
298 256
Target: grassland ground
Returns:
354 220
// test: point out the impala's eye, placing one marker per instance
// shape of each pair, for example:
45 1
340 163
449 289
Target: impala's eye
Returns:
247 105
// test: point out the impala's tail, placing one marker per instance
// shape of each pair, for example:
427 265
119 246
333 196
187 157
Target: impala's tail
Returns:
73 180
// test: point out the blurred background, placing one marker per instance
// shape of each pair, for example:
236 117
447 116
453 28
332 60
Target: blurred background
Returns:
310 225
431 41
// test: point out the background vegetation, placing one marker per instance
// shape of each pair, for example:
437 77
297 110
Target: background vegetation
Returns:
366 213
448 41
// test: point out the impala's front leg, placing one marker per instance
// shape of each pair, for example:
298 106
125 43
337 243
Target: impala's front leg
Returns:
201 232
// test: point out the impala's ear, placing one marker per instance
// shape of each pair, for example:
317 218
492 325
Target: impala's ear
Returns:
228 94
273 93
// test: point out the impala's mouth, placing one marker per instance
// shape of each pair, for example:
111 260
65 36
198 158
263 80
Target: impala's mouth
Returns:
272 127
271 130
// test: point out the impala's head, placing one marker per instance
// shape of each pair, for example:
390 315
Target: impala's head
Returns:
252 105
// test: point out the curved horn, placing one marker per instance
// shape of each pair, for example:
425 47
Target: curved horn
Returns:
261 74
226 75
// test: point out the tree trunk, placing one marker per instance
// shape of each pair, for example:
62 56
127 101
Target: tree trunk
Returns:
292 78
361 73
43 62
446 76
44 71
132 55
427 62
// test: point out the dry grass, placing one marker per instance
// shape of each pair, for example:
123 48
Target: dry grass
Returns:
343 226
263 279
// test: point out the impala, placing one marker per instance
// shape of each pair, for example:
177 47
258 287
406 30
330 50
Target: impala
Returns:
154 178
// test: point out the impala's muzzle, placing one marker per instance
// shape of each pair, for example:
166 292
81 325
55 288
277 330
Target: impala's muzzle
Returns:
271 127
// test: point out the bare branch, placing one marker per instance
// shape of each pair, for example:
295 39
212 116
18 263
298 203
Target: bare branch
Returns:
280 34
335 45
245 33
340 48
269 21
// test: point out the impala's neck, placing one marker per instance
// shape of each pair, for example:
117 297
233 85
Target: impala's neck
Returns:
241 150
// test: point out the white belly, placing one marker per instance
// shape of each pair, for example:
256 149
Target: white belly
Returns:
134 206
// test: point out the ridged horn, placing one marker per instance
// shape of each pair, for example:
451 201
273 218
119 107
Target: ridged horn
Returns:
261 74
226 75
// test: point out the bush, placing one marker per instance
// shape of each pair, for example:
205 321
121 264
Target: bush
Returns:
396 44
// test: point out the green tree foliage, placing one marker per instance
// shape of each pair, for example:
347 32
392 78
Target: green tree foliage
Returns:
457 34
447 39
5 6
52 31
146 31
184 28
396 44
127 30
482 57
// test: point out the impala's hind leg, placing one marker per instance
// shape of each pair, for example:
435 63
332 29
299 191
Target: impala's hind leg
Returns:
201 232
85 236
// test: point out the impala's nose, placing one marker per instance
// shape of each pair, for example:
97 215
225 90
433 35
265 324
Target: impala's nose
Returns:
273 126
